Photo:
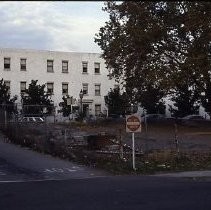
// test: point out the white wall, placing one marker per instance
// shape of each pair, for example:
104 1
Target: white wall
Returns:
36 69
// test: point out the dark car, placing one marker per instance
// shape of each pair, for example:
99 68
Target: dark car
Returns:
192 120
153 118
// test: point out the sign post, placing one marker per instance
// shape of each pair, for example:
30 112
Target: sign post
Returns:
133 125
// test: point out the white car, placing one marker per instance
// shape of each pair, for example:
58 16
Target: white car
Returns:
32 119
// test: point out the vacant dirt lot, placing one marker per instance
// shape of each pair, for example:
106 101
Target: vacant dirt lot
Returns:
157 136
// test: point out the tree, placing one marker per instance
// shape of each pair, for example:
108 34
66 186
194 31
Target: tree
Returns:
199 26
152 42
6 101
116 102
36 100
151 100
66 105
132 44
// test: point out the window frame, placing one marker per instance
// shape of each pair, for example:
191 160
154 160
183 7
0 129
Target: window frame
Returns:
21 89
51 92
85 67
65 68
50 66
22 65
7 68
63 84
6 82
96 110
87 90
97 68
98 85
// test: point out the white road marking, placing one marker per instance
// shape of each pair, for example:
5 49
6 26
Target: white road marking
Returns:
59 170
70 170
44 180
2 173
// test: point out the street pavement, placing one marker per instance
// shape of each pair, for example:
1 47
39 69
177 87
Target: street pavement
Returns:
107 193
20 163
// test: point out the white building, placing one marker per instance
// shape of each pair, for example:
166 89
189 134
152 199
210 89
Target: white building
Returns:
64 73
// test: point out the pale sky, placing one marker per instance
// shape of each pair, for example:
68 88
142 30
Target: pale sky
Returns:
54 25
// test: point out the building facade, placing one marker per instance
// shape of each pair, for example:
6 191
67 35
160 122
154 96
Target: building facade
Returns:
63 73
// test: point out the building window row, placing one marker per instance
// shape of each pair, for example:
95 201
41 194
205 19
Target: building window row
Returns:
85 67
97 89
50 88
50 66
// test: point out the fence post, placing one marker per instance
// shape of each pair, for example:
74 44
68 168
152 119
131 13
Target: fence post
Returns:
176 138
146 131
5 119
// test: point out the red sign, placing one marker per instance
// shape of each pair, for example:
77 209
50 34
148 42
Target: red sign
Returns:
133 123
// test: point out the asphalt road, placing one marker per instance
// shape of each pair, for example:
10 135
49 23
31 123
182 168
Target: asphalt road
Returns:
19 164
128 192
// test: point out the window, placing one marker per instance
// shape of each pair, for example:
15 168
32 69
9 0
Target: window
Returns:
97 109
23 64
85 88
85 67
7 83
97 89
97 68
50 88
49 65
64 66
65 88
7 63
23 87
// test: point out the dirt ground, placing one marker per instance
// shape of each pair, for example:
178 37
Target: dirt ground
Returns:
157 136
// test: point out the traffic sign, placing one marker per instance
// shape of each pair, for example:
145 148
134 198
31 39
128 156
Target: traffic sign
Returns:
133 123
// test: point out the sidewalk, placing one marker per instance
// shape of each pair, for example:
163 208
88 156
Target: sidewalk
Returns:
187 174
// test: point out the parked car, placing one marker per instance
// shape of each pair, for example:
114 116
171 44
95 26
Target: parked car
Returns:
32 119
192 120
153 118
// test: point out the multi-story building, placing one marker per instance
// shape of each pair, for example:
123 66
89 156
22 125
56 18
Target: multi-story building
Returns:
63 73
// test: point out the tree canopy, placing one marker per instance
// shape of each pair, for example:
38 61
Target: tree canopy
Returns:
117 102
36 100
65 105
159 45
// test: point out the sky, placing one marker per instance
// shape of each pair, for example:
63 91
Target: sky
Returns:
51 25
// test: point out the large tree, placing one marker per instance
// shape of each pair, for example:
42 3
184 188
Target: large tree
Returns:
198 23
117 102
147 44
36 100
132 44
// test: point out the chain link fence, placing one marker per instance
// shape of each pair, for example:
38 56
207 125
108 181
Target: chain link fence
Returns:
107 137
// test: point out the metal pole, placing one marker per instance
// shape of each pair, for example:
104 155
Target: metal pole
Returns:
133 147
120 144
81 110
176 138
146 131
